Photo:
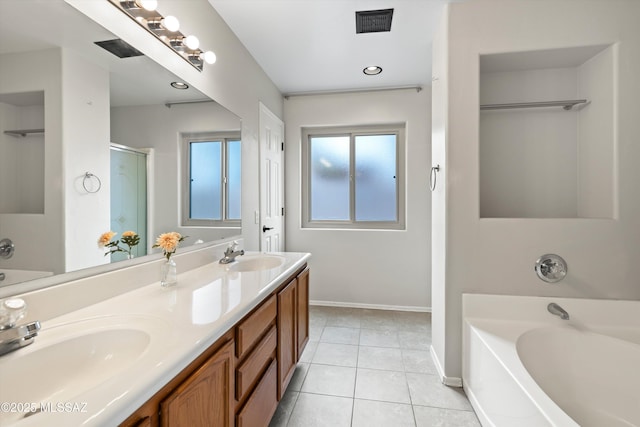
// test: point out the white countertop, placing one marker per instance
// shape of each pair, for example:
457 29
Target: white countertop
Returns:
172 325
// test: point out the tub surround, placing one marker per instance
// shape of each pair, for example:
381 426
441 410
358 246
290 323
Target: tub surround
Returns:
516 359
172 326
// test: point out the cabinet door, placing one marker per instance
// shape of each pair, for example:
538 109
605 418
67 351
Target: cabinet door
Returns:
206 397
287 334
302 312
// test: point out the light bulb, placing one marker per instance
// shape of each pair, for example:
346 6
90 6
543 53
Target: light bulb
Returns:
149 5
209 57
171 23
192 42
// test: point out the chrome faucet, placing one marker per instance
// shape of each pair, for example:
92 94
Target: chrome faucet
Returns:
12 336
231 253
558 311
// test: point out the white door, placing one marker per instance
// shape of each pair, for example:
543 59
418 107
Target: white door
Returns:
271 182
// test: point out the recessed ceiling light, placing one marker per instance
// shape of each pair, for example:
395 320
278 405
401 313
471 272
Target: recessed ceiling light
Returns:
372 71
179 85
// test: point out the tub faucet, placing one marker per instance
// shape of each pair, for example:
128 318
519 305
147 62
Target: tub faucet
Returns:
12 336
231 253
558 311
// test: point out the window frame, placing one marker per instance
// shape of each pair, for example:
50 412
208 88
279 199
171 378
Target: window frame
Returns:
397 129
186 139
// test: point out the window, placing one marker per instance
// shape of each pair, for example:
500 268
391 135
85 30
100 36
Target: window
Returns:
353 177
211 186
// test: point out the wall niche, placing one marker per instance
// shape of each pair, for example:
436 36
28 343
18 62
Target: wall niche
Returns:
539 158
22 153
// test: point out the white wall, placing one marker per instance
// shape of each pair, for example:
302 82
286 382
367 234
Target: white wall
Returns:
159 127
85 147
235 80
498 255
365 267
596 124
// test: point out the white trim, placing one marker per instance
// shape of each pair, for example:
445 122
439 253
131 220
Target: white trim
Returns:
371 306
449 381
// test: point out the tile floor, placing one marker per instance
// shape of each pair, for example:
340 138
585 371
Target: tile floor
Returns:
368 368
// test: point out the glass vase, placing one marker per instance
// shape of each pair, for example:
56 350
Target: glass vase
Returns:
168 273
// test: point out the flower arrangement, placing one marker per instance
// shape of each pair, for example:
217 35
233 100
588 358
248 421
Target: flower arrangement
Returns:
129 238
169 243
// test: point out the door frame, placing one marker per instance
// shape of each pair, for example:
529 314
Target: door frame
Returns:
149 153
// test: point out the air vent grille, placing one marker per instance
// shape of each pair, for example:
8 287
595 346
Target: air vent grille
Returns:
373 21
119 48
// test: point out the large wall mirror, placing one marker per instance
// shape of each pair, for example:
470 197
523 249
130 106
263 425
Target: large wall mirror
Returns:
90 141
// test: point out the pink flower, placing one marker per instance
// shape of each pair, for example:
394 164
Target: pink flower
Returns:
105 238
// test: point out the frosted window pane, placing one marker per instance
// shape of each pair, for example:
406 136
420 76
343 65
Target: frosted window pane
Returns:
205 183
375 163
329 180
233 179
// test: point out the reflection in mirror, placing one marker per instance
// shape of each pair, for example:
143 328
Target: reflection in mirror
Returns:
69 107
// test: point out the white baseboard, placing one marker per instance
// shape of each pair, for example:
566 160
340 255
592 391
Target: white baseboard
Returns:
371 306
450 381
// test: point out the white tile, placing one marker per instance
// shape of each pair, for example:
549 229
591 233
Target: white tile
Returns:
285 407
340 335
438 417
369 413
298 376
317 410
418 361
336 354
380 358
386 386
420 340
345 320
315 332
427 390
381 320
374 338
330 380
309 352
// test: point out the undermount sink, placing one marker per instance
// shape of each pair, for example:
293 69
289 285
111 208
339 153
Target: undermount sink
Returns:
62 368
256 263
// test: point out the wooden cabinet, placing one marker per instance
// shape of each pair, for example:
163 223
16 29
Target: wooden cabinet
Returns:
302 301
293 327
238 380
206 397
200 395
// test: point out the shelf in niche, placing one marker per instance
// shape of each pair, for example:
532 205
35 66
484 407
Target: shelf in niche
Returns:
567 105
21 133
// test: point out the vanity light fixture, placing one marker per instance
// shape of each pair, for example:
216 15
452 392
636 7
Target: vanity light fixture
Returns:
372 70
149 5
166 29
179 85
169 23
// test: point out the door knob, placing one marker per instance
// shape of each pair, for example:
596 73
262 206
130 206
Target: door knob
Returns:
265 228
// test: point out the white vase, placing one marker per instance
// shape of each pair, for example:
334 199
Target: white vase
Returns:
168 273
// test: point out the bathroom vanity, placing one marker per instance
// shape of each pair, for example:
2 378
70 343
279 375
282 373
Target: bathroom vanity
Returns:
240 378
219 348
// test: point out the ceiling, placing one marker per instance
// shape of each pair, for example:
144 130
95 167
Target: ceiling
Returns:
308 46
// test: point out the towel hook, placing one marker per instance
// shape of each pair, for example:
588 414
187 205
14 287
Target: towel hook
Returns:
433 177
87 177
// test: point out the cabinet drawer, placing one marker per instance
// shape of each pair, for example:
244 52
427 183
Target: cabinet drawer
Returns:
252 328
263 402
247 374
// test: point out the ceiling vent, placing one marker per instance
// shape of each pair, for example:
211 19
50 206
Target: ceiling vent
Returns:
373 21
119 48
